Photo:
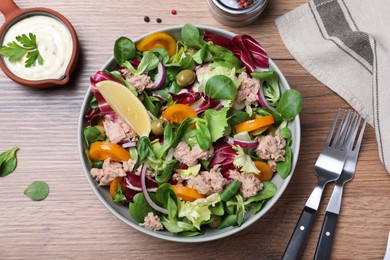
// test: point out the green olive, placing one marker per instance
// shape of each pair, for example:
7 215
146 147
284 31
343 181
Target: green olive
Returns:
185 78
158 127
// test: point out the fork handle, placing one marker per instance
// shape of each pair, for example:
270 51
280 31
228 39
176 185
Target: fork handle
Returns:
325 241
301 232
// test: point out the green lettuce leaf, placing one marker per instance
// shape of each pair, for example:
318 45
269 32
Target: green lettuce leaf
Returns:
190 172
204 75
244 161
198 211
216 122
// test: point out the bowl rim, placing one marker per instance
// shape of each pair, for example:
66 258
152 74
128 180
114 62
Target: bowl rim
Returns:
162 234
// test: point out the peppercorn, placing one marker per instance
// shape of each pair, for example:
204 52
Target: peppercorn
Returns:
146 19
158 20
173 12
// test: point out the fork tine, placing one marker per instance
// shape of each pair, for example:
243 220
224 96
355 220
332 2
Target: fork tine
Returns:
350 140
357 125
331 131
349 130
342 129
359 140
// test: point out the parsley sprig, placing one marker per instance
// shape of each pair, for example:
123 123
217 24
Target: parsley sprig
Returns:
27 46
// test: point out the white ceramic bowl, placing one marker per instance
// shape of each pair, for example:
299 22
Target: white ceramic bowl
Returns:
211 234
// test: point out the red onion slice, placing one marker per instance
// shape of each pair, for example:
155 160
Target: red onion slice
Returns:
243 144
262 100
159 79
146 194
129 144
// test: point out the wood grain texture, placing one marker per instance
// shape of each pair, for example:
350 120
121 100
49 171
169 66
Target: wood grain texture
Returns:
72 224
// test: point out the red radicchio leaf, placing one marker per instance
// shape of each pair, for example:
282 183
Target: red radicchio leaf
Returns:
135 63
218 40
186 98
133 182
197 100
95 113
244 47
226 171
182 166
105 109
129 194
203 103
223 154
250 52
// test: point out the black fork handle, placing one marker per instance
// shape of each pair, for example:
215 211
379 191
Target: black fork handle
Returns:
301 232
325 241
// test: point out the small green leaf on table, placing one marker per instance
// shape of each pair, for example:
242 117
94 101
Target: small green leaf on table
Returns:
38 190
8 161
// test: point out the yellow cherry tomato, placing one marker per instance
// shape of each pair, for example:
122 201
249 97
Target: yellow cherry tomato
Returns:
102 150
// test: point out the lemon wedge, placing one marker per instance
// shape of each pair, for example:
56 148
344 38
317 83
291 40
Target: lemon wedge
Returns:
125 104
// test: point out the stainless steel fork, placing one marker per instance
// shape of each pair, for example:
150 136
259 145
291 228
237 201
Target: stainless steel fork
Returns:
328 167
332 212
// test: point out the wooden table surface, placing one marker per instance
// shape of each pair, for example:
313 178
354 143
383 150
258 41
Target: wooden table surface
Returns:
72 224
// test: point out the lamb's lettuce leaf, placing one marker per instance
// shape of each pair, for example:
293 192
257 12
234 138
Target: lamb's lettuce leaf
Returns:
191 36
271 89
148 62
221 87
268 191
290 104
124 50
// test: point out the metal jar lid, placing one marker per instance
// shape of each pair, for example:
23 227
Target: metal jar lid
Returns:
228 12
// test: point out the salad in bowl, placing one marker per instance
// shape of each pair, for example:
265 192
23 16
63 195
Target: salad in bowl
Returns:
189 134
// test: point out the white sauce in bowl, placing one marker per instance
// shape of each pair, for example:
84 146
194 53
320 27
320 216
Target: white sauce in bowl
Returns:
54 43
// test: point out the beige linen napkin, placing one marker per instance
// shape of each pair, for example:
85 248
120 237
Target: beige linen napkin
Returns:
346 45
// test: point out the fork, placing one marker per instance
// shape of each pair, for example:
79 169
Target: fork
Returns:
332 211
328 167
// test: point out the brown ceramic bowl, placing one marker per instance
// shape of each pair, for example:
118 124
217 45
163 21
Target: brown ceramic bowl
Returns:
13 14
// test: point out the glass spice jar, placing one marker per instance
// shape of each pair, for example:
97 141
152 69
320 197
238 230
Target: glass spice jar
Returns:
236 12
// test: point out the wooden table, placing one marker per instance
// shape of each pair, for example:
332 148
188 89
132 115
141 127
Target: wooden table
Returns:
72 223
